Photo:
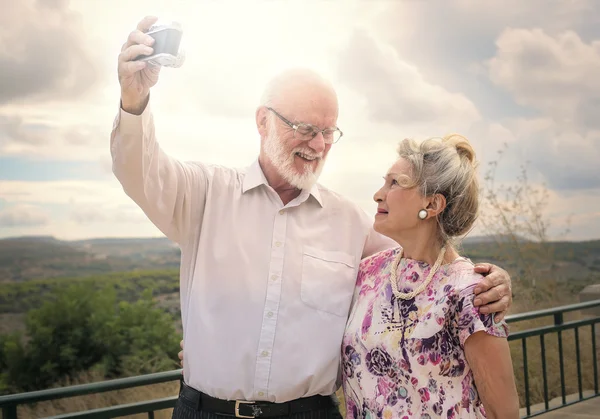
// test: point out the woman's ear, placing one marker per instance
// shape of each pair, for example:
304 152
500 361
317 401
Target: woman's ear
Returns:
437 204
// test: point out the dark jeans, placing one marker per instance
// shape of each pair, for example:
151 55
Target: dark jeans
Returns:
184 410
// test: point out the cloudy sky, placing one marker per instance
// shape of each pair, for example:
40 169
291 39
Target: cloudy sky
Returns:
500 72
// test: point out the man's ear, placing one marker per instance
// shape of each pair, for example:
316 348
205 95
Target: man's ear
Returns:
437 204
261 121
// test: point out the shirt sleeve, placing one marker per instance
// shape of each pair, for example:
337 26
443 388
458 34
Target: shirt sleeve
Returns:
470 320
159 184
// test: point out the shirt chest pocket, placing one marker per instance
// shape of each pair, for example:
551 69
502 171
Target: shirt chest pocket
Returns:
328 279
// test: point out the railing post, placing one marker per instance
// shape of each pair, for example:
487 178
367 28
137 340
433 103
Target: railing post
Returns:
558 319
526 376
9 411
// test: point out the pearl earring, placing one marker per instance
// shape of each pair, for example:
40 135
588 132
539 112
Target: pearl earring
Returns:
423 214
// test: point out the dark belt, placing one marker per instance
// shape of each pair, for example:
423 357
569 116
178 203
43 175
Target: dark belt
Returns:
251 409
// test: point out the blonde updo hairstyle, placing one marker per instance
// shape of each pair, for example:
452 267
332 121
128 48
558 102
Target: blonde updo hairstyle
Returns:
445 166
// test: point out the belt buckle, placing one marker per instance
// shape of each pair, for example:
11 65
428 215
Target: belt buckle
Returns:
237 408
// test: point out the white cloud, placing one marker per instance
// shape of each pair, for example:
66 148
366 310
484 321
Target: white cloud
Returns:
395 90
23 216
62 192
42 136
429 28
575 211
71 210
557 75
568 158
43 54
107 213
557 14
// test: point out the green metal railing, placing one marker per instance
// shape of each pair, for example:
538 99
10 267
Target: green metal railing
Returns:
10 403
558 327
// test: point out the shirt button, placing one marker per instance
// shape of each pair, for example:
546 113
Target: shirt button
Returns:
270 314
261 393
278 244
281 212
274 277
265 353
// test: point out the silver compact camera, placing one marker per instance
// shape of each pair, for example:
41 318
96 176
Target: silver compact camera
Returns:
167 41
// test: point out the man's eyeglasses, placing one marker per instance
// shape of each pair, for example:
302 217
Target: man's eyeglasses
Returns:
306 132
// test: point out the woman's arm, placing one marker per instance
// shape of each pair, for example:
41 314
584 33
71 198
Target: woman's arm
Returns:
490 360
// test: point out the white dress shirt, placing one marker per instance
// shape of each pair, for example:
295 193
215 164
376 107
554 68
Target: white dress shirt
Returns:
265 287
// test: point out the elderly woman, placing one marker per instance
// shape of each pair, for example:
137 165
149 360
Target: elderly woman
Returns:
415 346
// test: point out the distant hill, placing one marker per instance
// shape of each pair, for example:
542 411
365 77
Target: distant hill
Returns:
32 267
561 260
499 238
39 257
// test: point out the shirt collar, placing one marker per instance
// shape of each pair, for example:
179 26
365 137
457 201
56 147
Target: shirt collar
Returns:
255 177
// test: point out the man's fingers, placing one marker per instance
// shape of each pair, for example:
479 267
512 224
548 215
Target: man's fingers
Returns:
133 51
494 279
483 286
497 307
180 354
483 268
146 22
129 68
139 36
492 295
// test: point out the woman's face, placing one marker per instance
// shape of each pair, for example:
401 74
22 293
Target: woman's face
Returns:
398 206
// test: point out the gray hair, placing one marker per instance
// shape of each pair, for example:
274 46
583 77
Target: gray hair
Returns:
445 166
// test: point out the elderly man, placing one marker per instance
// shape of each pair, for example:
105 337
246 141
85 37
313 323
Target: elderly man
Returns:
268 257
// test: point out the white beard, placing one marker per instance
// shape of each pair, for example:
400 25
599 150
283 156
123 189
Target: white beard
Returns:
284 163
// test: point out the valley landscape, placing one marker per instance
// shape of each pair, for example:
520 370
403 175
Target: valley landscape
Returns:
31 268
41 276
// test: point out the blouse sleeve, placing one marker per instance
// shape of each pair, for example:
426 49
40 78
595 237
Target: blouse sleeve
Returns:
470 320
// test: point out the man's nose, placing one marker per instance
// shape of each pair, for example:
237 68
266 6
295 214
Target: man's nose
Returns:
317 143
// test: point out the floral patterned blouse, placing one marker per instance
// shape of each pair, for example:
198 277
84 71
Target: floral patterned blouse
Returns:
405 358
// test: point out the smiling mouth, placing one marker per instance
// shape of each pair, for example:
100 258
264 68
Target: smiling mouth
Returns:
306 157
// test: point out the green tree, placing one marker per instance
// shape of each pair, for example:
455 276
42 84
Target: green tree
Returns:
141 339
12 361
65 334
82 328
